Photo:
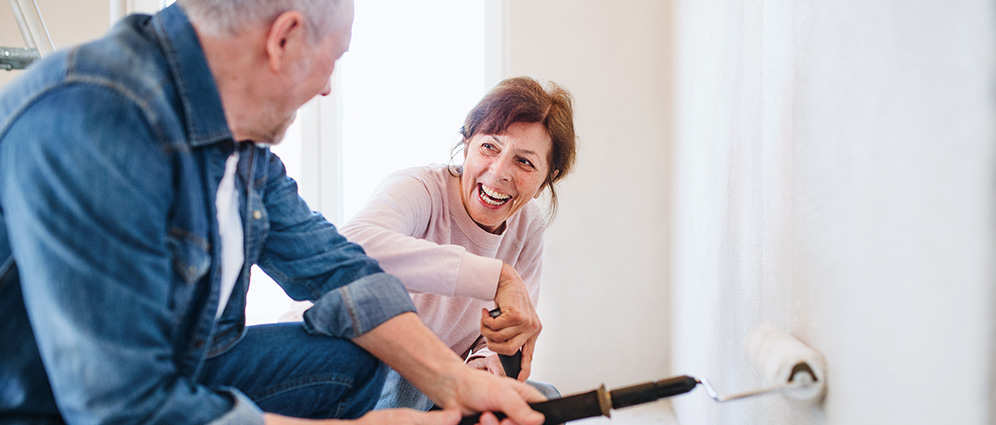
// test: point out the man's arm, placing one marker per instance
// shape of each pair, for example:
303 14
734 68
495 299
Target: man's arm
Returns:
405 344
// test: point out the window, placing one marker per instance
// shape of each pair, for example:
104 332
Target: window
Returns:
400 95
413 71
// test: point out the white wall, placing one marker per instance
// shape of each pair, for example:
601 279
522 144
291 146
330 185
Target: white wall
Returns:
835 177
604 295
68 22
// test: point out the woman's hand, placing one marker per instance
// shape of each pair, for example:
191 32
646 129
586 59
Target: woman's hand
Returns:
489 363
518 326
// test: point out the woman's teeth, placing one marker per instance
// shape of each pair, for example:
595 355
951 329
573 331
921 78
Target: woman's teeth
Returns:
492 197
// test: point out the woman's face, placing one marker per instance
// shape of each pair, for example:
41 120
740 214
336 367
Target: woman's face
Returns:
502 172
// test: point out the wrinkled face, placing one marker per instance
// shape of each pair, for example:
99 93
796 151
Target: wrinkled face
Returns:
311 75
503 172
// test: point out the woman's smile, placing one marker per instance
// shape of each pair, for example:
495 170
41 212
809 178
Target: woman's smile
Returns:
503 172
492 197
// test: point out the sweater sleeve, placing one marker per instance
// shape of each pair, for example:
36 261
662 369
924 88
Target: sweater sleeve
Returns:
390 229
529 264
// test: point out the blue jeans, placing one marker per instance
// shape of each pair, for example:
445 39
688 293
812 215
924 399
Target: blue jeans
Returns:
285 370
398 392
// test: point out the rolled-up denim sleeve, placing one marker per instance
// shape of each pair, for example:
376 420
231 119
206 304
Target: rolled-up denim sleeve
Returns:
310 260
352 310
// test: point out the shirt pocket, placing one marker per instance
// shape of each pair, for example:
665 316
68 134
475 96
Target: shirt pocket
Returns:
191 260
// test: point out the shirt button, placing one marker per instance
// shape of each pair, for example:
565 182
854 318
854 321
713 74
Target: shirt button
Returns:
257 214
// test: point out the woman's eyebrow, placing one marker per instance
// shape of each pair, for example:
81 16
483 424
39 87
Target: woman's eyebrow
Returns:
496 139
526 152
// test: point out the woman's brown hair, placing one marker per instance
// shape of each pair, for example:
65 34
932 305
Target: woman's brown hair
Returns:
524 99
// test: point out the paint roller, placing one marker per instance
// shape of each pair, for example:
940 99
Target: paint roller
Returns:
787 365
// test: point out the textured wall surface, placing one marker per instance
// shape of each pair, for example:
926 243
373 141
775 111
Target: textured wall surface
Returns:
835 177
605 267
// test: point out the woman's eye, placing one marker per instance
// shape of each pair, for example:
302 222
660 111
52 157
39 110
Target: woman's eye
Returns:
526 162
488 146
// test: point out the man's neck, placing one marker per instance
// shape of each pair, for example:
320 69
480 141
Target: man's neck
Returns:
236 70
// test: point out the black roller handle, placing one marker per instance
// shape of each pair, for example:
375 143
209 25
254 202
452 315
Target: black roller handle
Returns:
558 410
512 364
598 402
652 391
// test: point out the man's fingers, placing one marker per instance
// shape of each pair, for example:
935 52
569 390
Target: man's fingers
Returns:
442 417
488 418
411 417
519 411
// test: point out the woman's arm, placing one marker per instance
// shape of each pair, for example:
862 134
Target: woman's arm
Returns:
518 328
391 228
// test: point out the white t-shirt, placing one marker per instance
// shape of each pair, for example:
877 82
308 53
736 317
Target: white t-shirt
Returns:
230 228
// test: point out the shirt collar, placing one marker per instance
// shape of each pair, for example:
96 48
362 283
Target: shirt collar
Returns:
198 92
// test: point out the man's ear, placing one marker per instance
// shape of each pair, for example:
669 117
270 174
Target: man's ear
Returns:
285 38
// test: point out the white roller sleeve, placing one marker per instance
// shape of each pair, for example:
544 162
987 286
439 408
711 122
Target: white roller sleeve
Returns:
775 353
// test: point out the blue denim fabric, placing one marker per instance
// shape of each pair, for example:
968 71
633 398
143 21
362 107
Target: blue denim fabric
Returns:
110 158
287 371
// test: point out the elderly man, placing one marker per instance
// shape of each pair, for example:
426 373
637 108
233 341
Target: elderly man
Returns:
137 189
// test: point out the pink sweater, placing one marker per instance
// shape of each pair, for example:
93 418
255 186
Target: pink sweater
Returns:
415 225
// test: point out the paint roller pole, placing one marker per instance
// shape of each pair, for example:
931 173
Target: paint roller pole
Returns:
512 364
792 367
599 402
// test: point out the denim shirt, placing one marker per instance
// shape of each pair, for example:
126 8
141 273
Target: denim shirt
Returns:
110 158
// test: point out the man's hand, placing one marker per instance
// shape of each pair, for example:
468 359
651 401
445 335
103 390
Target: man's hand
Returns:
405 344
518 326
480 388
377 417
410 417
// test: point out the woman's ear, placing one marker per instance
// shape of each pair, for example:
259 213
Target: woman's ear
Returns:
285 38
548 182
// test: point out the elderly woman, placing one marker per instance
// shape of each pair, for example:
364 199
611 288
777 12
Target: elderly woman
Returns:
467 239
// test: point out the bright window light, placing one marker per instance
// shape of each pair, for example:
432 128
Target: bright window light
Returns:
413 71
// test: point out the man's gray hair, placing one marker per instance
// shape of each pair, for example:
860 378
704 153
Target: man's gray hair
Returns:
230 17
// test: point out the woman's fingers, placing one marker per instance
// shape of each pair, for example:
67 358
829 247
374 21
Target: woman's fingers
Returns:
490 363
527 358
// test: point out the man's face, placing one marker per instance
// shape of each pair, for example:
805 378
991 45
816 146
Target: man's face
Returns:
309 76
